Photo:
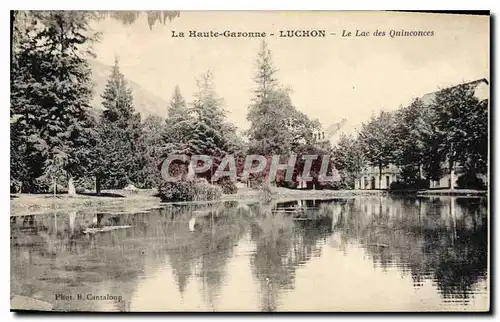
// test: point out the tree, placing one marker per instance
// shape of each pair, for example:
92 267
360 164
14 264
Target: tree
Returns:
265 76
462 128
51 94
211 133
348 158
415 137
207 135
151 143
119 130
178 125
277 127
129 17
24 110
377 140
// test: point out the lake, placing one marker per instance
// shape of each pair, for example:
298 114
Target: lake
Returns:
356 254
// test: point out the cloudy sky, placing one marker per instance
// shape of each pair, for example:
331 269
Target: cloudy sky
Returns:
332 77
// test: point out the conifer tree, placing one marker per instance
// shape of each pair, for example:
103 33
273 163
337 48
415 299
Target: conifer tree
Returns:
178 125
51 94
277 127
207 136
118 147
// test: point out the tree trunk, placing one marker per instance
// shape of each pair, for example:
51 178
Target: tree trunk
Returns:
97 185
71 188
190 175
54 186
380 176
452 175
72 217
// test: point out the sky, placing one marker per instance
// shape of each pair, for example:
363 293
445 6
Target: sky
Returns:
332 78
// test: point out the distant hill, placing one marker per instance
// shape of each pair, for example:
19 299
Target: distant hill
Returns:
145 102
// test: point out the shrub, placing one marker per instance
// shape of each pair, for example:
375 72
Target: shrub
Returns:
188 191
256 180
228 186
417 184
85 183
290 184
470 181
336 185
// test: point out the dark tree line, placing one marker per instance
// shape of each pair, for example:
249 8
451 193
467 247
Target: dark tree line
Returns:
57 138
426 141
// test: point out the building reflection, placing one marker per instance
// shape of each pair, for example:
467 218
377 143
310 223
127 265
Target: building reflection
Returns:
440 239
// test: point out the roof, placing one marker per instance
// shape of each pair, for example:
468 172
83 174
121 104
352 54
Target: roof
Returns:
429 97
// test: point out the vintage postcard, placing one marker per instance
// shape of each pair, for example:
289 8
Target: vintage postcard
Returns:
272 161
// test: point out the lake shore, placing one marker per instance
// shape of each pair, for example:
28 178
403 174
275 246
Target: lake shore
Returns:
116 201
121 201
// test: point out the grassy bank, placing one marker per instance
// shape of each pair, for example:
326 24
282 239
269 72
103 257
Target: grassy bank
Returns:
116 201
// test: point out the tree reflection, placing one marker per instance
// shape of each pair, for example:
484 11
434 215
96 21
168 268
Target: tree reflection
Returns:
442 239
282 244
205 252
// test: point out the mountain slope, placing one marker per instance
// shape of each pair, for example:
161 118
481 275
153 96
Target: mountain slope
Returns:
145 102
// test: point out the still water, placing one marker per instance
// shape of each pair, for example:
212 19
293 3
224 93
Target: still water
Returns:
358 254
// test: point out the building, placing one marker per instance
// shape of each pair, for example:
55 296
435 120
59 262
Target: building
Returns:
369 177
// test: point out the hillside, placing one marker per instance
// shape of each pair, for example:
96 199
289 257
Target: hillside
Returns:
145 102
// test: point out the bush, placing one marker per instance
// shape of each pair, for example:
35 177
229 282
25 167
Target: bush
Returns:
188 191
398 185
470 181
228 186
256 180
417 184
83 184
290 184
337 185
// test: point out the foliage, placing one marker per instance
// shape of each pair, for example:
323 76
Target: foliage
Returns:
277 127
51 124
129 17
452 129
120 157
462 122
152 149
188 191
348 159
228 186
207 136
415 132
470 181
376 138
178 126
417 184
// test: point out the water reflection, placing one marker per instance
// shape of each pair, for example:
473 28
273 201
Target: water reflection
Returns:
343 254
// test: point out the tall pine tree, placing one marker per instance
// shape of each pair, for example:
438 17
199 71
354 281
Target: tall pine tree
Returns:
51 93
178 125
207 136
277 127
119 153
